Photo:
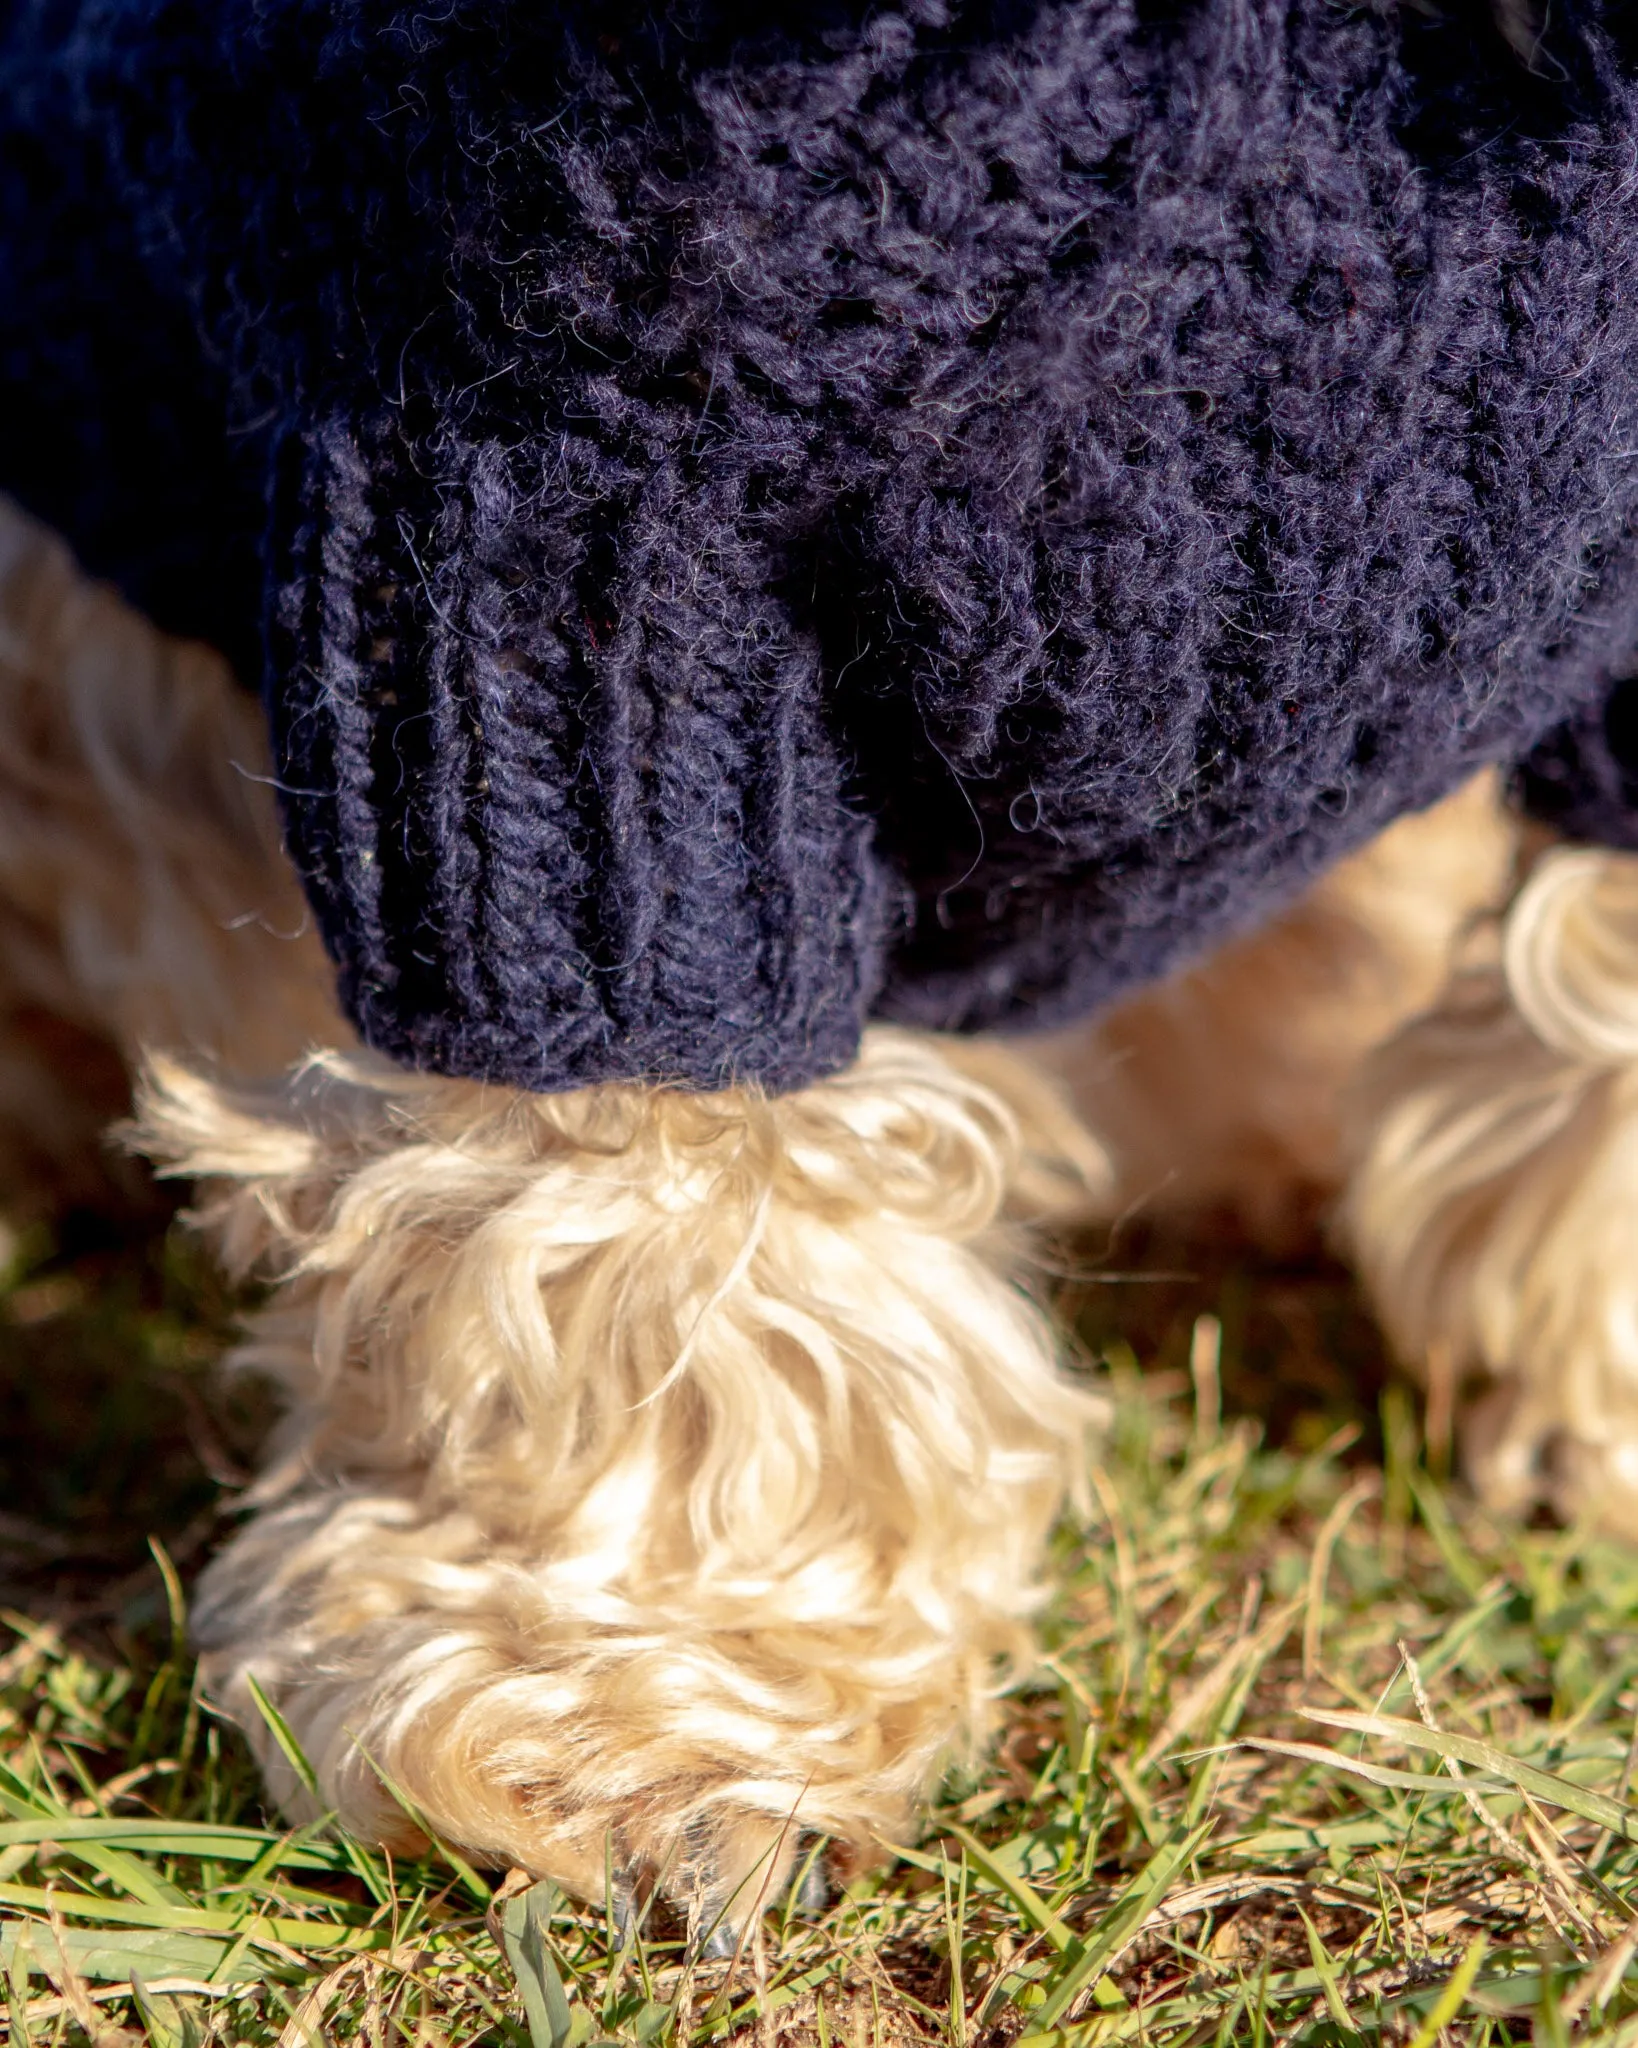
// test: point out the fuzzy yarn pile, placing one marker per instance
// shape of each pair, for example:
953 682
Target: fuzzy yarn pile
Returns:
750 517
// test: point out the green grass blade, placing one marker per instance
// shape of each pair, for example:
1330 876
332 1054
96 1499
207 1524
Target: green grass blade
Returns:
1608 1813
1023 1894
1459 1561
473 1883
359 1859
312 1934
176 1603
1454 1996
128 1872
24 1801
115 1957
524 1920
1327 1969
255 1846
1433 1785
282 1733
1092 1955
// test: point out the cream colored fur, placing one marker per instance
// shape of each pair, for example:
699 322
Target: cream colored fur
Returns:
143 893
1444 1062
1494 1206
1221 1092
663 1470
663 1475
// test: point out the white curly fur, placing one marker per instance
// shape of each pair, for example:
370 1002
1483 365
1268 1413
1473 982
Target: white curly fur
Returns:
1494 1206
661 1468
1221 1092
662 1472
664 1475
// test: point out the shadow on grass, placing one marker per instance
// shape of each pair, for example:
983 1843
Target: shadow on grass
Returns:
116 1424
1300 1351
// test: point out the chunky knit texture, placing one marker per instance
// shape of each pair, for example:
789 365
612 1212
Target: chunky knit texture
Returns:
764 514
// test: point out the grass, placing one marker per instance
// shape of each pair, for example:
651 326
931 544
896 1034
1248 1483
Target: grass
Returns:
1318 1751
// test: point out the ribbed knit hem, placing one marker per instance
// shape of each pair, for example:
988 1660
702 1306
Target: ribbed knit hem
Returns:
552 850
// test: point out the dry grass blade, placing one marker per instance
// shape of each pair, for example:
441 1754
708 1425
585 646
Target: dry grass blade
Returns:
1364 1488
1099 1888
1427 1786
72 1989
1242 1659
1086 1961
1615 1815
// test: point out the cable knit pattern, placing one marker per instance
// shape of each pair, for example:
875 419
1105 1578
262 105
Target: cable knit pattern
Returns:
772 514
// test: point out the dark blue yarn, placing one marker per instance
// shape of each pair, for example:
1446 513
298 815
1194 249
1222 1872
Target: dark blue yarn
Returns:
754 516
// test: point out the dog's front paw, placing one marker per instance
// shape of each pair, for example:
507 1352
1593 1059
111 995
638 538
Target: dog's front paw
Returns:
666 1476
689 1742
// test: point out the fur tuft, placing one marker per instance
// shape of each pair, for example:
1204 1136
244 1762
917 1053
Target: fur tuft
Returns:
1220 1091
1494 1206
144 896
660 1467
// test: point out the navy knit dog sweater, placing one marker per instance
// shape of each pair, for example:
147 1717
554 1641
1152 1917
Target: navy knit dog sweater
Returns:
750 516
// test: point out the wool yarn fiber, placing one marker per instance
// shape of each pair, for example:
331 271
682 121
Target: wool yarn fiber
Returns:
749 519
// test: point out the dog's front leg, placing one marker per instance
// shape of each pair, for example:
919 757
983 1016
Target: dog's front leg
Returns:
665 1476
1494 1200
